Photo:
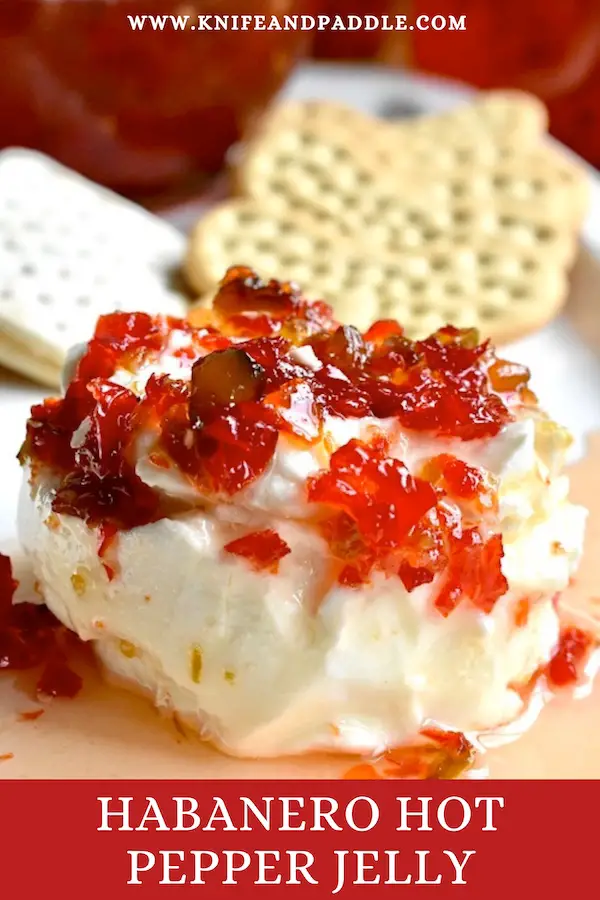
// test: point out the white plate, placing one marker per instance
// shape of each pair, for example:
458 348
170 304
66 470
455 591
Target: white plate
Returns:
98 738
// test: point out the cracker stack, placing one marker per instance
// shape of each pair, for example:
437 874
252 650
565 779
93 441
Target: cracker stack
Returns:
71 251
469 218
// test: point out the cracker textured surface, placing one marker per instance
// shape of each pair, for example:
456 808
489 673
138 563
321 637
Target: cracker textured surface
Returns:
470 217
478 284
71 251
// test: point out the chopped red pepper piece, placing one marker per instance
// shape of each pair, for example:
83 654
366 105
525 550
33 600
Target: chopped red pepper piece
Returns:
263 549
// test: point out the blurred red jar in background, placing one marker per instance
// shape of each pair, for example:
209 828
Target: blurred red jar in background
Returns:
139 111
363 43
549 48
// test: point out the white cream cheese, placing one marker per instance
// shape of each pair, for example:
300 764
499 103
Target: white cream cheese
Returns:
272 664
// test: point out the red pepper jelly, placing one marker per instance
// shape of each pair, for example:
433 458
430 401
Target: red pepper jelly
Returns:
266 362
31 637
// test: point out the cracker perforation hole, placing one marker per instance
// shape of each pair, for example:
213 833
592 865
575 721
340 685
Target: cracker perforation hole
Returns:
392 273
348 281
490 312
278 187
421 309
461 238
311 168
340 154
448 316
439 263
519 292
490 284
284 160
382 204
247 216
363 178
544 233
307 138
461 216
328 187
263 245
354 266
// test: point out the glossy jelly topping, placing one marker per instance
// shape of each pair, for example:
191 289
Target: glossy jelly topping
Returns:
438 755
263 549
251 380
31 637
567 666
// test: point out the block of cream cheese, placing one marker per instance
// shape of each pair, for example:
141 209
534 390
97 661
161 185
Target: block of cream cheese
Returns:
297 537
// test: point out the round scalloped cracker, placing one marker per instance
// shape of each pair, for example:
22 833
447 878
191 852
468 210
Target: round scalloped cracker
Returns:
382 217
303 151
482 132
538 196
496 287
241 232
328 170
335 182
465 217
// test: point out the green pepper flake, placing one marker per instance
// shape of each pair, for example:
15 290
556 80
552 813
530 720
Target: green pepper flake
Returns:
229 676
196 664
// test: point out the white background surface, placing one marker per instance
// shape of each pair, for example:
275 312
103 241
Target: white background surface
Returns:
566 368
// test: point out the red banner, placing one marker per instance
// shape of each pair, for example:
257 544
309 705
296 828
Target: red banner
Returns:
114 839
